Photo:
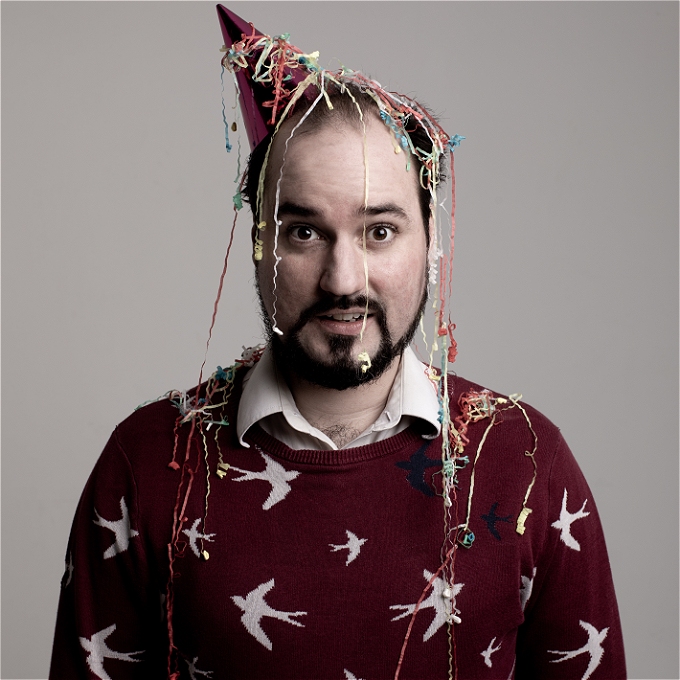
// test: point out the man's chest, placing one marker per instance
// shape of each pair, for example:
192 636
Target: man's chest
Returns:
334 572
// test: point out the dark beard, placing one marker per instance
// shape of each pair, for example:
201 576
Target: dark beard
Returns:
343 370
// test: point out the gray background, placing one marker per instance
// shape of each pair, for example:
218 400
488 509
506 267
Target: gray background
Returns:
116 209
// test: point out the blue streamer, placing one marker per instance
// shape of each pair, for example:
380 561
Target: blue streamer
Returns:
224 114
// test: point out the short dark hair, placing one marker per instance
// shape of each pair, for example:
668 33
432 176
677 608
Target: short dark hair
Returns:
344 111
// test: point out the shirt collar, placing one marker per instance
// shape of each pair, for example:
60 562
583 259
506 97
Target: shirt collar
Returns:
419 393
266 393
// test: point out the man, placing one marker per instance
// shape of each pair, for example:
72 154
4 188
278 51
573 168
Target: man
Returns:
333 507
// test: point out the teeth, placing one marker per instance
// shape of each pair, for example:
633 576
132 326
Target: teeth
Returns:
346 317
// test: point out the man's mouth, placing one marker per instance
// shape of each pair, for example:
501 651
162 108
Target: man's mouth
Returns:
347 317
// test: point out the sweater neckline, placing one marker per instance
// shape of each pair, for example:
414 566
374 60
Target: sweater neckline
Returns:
405 440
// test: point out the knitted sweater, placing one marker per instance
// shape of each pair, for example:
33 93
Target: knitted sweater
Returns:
335 564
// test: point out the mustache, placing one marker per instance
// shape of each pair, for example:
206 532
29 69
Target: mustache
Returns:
331 302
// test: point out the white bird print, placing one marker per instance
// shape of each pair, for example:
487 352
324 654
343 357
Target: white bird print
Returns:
255 609
121 529
526 588
592 647
275 474
350 676
566 520
489 651
193 671
441 599
353 546
194 534
99 650
69 570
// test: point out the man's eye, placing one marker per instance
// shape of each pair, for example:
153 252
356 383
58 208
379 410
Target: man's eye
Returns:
381 233
303 233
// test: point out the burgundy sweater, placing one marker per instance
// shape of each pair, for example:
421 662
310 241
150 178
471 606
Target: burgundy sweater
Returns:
317 560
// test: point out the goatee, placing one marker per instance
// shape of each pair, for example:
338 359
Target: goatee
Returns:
342 370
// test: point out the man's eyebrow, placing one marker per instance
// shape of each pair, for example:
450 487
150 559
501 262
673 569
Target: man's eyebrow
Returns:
295 209
290 208
382 209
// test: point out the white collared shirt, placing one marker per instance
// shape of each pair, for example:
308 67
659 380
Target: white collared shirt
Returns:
267 401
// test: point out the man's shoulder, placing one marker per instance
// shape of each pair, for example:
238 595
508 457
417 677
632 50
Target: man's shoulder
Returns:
150 418
477 403
167 420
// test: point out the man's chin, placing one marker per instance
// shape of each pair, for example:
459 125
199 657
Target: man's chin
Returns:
337 368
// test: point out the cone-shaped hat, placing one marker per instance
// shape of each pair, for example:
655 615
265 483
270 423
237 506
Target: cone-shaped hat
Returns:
261 98
274 77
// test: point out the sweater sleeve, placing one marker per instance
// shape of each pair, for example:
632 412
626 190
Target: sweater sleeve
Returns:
109 622
571 628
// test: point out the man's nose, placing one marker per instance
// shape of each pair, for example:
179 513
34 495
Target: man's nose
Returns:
343 272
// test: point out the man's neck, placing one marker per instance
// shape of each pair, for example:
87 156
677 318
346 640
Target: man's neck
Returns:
342 415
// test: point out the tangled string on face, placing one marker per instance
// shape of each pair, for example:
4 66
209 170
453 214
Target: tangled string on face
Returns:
296 83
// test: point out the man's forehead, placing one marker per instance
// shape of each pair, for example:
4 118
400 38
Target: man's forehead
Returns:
302 137
355 163
343 143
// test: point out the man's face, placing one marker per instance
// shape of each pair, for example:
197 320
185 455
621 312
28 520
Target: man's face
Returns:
317 295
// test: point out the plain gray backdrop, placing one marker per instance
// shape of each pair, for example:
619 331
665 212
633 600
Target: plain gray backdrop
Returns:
117 204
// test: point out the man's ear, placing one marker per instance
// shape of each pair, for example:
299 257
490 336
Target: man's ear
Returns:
430 231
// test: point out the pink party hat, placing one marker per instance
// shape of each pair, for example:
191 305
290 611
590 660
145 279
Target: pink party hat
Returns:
262 98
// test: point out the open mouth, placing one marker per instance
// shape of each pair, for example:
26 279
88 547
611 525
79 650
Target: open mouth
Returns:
346 317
